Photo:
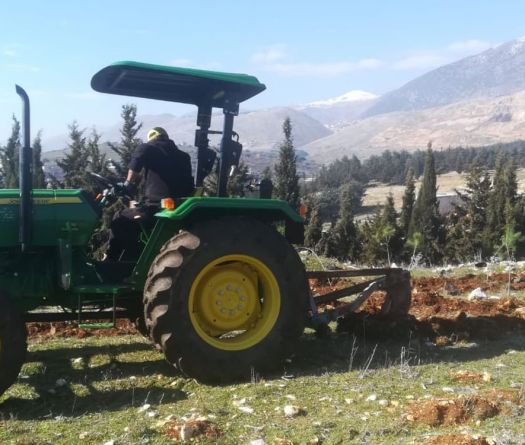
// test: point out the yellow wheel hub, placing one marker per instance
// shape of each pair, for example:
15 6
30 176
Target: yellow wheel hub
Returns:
234 302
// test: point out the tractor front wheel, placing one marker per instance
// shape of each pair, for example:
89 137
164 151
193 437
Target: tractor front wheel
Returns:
13 343
226 300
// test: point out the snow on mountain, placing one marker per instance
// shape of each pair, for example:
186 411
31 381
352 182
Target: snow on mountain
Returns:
351 96
495 72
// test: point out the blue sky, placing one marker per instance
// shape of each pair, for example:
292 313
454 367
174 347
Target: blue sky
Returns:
302 50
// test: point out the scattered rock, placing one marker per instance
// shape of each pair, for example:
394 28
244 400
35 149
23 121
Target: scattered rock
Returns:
245 409
520 312
477 294
291 411
451 289
258 442
192 429
60 382
371 398
144 407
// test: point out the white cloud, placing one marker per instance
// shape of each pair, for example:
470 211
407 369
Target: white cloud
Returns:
12 49
432 58
270 54
181 62
420 61
275 58
21 67
471 46
331 69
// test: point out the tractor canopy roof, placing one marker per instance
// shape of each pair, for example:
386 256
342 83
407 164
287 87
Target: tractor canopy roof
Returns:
185 85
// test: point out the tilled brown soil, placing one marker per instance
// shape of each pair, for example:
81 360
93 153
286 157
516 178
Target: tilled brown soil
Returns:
71 329
433 314
457 439
462 409
445 319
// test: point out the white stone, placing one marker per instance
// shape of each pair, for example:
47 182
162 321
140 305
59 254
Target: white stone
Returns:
291 410
477 294
144 407
245 409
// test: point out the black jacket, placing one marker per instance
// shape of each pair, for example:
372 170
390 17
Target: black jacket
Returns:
167 170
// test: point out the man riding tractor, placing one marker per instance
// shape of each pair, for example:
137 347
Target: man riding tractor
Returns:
167 174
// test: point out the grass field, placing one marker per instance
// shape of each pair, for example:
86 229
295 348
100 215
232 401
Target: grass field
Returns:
343 389
447 183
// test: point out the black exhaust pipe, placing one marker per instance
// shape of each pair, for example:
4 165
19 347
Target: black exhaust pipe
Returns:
25 177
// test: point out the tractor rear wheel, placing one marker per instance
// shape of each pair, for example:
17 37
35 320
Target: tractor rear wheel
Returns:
227 299
13 343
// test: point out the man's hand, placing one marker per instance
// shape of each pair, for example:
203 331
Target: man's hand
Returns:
124 188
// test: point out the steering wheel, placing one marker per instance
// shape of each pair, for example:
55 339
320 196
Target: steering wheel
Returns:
104 182
111 190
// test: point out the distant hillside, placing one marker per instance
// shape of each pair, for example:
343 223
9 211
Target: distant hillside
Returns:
474 122
256 160
261 129
494 72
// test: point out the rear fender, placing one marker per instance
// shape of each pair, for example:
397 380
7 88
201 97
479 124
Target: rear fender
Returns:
198 209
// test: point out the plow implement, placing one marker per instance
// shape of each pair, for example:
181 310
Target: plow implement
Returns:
331 306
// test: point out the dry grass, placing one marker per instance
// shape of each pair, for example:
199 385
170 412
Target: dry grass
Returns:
446 183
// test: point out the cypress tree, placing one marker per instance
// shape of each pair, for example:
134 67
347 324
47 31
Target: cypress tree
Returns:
9 156
502 201
314 228
74 163
408 202
129 140
286 179
39 180
390 233
425 215
345 232
466 224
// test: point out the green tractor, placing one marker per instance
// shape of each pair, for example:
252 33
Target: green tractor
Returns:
217 287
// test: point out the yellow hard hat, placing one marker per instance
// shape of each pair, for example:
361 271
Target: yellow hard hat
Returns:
155 132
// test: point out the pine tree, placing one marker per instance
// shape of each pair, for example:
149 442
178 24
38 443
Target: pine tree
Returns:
407 206
425 215
381 235
345 232
286 179
74 163
97 160
39 180
129 140
502 201
390 234
9 156
314 227
237 182
371 250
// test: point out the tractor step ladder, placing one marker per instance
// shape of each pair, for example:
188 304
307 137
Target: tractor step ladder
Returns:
89 291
